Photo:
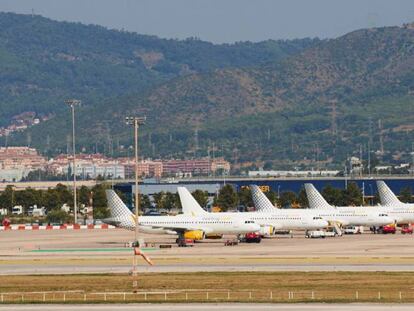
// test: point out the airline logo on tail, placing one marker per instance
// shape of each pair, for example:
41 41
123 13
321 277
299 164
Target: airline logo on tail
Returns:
387 197
121 216
315 199
260 200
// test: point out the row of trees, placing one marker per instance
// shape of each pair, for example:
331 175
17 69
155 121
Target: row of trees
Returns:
227 198
54 198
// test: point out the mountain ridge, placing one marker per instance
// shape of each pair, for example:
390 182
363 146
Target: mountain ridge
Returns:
321 103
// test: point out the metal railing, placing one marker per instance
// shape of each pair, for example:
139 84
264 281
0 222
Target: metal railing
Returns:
208 295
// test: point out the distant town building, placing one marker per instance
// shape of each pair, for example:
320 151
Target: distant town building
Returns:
17 162
23 121
220 164
146 168
355 165
21 158
87 166
203 166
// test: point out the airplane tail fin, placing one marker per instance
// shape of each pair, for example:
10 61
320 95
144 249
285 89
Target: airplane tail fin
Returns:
316 200
189 204
387 197
117 208
261 201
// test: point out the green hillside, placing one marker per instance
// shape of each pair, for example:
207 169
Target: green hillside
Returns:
42 62
326 100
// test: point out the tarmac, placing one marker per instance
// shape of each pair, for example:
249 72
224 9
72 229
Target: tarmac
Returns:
104 251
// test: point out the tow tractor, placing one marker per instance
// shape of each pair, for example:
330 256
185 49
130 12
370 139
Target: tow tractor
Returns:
388 229
406 229
251 237
183 242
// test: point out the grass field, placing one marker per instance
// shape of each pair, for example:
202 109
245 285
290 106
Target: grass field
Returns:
234 281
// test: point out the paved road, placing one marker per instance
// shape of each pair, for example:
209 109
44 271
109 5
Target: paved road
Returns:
213 307
73 269
36 252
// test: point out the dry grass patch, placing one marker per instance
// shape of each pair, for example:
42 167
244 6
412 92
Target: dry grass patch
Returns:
254 281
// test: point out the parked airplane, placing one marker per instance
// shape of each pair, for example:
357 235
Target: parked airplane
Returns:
401 212
346 215
186 226
269 221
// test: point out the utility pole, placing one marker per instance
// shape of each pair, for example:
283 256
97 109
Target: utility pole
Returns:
196 146
334 127
136 122
412 154
346 176
214 159
72 103
360 159
363 193
381 136
369 158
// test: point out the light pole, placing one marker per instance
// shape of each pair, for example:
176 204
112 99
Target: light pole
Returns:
72 103
412 154
136 122
372 194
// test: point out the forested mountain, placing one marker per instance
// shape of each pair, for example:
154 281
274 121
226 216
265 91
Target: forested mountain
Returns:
43 61
277 102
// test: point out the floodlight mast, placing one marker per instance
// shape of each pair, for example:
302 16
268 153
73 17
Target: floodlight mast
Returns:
136 122
72 103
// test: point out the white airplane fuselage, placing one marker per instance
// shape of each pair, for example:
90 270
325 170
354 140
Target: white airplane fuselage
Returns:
346 215
355 216
122 217
281 219
401 214
214 224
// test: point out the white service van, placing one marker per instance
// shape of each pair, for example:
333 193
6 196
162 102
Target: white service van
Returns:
17 210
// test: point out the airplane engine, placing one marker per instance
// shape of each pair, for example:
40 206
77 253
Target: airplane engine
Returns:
194 235
171 232
267 230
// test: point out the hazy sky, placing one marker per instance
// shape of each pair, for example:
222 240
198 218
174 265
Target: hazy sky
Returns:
225 20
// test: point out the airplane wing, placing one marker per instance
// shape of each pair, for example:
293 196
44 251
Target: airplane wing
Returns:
182 227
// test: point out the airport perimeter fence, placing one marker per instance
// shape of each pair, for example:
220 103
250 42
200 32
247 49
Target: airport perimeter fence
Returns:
207 296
